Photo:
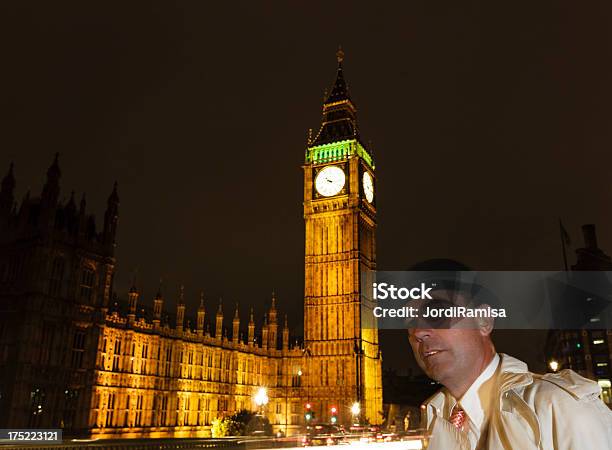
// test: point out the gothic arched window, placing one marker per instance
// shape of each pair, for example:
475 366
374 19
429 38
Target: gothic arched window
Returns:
88 279
57 277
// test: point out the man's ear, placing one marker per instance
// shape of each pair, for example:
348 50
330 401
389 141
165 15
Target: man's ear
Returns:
485 324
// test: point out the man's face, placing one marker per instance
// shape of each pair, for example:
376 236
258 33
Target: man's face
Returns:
445 354
449 354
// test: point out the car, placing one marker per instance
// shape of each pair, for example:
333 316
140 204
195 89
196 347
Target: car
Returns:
323 434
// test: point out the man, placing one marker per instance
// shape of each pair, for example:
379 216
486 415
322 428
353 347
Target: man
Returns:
490 400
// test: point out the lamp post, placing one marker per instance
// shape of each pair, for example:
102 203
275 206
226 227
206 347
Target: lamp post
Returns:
554 365
355 411
261 399
307 354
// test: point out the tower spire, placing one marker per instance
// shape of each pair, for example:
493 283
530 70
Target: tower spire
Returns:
339 112
180 309
110 218
340 55
219 321
236 326
339 91
251 327
200 316
51 189
158 304
7 192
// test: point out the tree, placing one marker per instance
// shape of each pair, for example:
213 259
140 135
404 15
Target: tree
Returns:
242 423
220 427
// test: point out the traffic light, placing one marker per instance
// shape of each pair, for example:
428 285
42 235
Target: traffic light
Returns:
308 412
334 414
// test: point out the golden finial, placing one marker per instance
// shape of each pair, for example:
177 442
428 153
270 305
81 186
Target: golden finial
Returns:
340 54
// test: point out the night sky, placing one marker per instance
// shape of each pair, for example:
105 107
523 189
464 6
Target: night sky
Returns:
488 122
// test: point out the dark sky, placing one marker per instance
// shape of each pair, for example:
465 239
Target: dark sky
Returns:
489 122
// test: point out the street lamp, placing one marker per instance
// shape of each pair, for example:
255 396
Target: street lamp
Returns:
261 399
554 365
355 409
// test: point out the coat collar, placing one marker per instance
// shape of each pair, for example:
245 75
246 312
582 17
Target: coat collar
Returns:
512 374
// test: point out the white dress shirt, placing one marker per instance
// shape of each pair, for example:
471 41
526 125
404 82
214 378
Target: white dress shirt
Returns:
476 401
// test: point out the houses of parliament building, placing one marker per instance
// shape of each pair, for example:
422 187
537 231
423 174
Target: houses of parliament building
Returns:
72 358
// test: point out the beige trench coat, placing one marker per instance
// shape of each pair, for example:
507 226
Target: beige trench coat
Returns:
559 411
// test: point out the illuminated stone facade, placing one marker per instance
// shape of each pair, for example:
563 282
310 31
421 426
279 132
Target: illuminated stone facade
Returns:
73 357
154 380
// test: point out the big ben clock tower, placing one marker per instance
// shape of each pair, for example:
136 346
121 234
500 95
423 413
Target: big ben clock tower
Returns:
342 358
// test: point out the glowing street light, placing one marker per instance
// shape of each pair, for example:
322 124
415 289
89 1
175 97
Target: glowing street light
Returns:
355 409
261 398
554 365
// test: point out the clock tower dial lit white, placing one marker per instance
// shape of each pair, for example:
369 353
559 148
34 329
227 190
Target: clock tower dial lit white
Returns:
368 187
330 181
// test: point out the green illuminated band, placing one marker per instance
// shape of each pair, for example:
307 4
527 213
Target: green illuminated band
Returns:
337 151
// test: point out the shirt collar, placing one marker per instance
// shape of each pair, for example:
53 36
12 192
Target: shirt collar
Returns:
478 396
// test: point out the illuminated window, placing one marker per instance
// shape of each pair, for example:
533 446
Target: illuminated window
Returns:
138 415
164 410
110 406
117 355
598 341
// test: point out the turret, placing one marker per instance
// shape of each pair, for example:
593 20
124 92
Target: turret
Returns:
285 335
273 327
7 193
158 304
180 310
51 189
111 216
264 333
133 301
236 326
591 257
201 314
219 322
82 215
50 194
70 215
251 329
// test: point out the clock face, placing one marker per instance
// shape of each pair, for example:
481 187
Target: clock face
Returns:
330 180
368 187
